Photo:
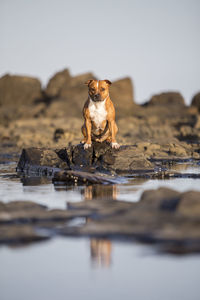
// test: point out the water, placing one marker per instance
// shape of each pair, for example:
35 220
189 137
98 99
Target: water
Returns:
65 269
83 268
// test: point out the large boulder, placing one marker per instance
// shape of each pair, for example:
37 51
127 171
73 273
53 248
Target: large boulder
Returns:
19 90
41 161
100 157
56 82
18 95
121 93
167 99
71 95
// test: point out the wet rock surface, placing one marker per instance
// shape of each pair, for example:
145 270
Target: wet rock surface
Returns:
139 160
164 217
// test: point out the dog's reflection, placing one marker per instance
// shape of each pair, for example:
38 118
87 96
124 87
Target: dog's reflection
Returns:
100 252
99 192
100 249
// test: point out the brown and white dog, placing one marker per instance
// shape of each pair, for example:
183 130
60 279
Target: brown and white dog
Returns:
99 115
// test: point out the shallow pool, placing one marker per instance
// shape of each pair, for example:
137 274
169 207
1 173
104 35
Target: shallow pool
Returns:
83 268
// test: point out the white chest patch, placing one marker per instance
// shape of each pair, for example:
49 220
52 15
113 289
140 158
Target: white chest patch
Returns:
98 112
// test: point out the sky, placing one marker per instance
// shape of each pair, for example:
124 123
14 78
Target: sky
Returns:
155 42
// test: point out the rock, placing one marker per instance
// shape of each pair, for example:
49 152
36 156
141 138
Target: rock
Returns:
167 99
157 218
73 94
20 234
19 90
162 198
143 159
56 83
18 95
25 222
100 157
81 79
196 101
81 157
177 150
190 204
71 98
15 206
166 218
81 178
40 161
126 159
58 134
121 93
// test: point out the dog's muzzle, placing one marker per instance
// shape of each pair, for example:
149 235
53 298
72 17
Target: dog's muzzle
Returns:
97 97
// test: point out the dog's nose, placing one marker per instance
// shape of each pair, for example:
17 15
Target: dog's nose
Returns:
96 96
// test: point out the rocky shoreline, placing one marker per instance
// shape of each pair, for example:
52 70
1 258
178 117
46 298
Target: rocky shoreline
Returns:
51 117
46 122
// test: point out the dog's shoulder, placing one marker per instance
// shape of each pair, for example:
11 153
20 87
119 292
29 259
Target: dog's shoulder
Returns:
110 108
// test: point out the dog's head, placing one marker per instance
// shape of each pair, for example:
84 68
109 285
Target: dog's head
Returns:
98 89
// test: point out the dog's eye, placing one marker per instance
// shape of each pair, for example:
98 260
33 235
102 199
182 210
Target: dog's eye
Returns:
102 89
93 90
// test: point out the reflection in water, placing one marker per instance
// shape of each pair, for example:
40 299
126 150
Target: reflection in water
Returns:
100 249
188 167
99 192
34 181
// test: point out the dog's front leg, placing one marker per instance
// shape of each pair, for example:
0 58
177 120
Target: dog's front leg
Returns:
113 130
88 126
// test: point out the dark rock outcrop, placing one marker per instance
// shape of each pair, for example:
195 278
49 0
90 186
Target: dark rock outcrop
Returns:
100 157
42 161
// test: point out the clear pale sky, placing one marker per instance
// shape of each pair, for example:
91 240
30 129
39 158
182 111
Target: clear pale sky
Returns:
155 42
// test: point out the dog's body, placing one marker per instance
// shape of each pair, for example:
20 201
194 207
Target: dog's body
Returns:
99 115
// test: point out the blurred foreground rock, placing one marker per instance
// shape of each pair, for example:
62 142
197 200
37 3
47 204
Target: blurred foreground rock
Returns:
161 217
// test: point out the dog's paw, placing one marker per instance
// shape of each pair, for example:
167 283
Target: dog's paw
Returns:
115 145
86 146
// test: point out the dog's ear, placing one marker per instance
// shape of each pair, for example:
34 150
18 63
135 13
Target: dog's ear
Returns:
108 81
88 82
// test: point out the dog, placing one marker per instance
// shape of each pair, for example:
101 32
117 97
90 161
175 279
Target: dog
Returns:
99 115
